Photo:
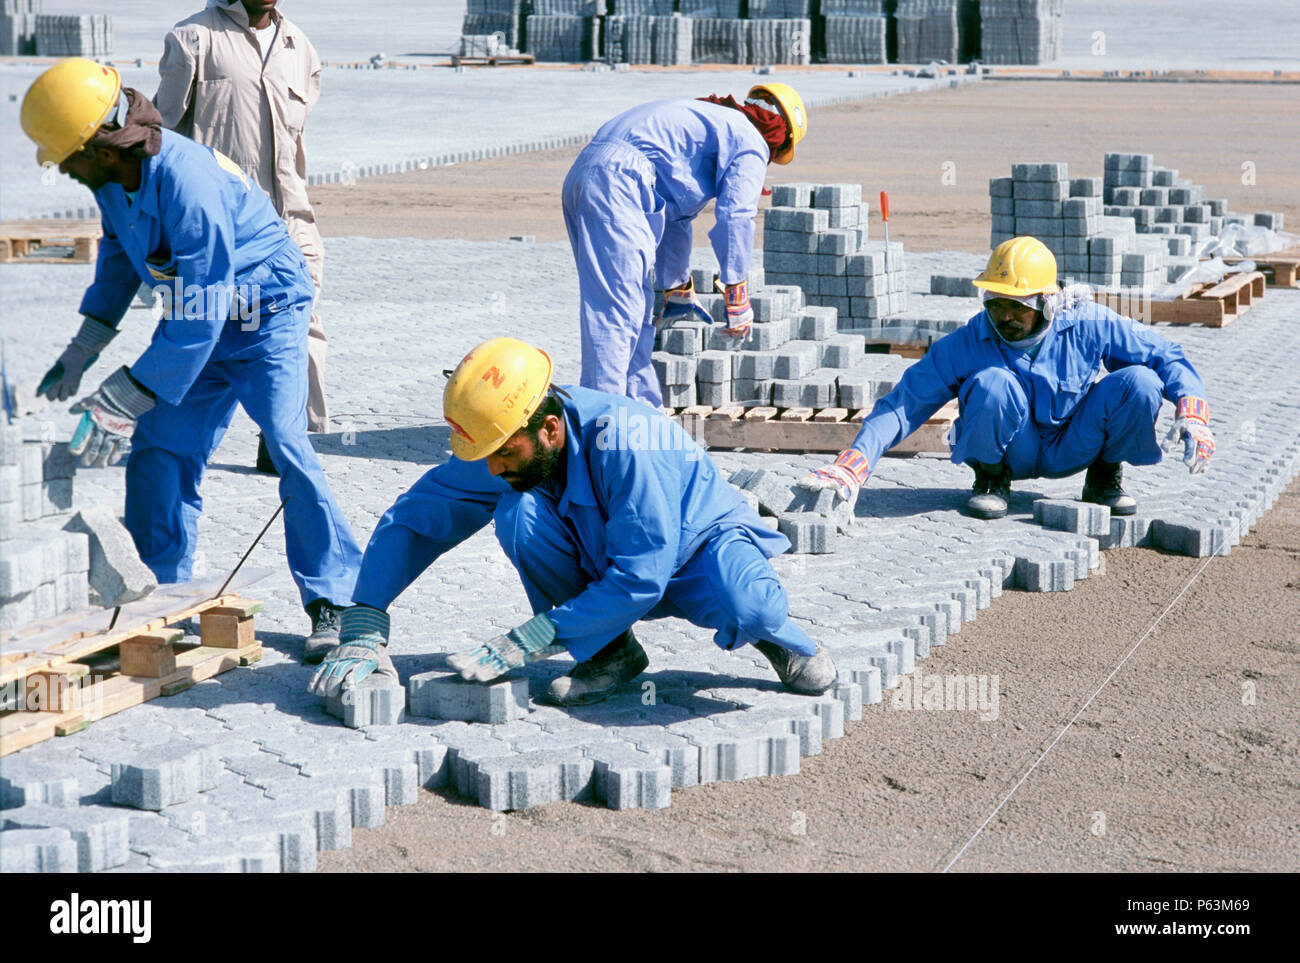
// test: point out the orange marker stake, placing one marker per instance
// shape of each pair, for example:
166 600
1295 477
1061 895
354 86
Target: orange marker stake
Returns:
884 217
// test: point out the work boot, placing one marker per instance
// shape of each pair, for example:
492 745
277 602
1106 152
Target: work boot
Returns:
1104 485
597 678
804 674
324 631
264 463
991 491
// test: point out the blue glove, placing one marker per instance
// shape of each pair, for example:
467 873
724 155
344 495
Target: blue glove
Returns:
680 304
362 651
533 640
104 433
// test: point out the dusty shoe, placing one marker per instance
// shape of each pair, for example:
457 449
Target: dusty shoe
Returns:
991 492
264 463
600 676
804 674
1104 485
324 631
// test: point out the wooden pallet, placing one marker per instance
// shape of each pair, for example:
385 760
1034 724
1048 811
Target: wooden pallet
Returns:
1213 305
26 240
802 429
60 689
1279 268
498 60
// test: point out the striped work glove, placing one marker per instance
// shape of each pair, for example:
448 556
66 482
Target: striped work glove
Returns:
362 651
740 316
847 475
533 640
64 377
108 421
680 304
1191 427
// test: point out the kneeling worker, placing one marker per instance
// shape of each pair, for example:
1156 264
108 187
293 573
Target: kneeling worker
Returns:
1023 372
610 512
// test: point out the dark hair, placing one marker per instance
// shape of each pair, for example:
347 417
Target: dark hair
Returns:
550 405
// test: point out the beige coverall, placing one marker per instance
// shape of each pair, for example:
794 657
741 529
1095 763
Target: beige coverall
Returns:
216 89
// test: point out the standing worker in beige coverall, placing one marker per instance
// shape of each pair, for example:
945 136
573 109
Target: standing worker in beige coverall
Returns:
241 78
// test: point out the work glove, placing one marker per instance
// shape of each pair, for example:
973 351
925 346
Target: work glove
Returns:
362 652
64 378
533 640
680 304
104 433
740 316
847 475
1191 427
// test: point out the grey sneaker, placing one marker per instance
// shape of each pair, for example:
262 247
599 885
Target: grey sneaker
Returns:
804 674
1104 485
991 492
324 631
600 676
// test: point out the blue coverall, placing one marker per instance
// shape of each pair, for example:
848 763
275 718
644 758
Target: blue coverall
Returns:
629 201
642 526
1043 416
241 298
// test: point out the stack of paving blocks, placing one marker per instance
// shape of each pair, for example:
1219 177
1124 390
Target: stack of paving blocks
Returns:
927 30
719 41
779 9
661 40
568 34
710 9
855 31
18 27
58 35
493 16
816 236
43 570
772 41
1021 31
483 45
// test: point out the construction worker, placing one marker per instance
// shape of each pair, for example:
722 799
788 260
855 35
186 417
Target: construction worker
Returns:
610 512
629 202
241 77
186 221
1024 372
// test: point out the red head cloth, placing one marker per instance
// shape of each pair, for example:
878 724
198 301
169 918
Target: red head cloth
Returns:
765 117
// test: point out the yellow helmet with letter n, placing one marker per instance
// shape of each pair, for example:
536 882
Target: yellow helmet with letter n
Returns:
492 394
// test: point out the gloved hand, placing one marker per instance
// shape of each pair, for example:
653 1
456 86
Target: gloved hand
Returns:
847 475
64 377
680 304
1191 427
533 640
104 433
362 651
740 316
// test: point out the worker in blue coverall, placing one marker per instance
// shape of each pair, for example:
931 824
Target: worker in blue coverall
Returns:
187 221
629 202
1023 371
610 512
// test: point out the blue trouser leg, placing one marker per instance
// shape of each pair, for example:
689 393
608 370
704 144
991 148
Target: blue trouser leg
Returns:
1115 420
995 424
614 221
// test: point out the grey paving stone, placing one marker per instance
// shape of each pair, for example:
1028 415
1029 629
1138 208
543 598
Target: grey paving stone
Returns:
532 779
627 778
37 851
116 573
330 811
101 834
26 782
679 754
375 702
165 775
1071 516
445 695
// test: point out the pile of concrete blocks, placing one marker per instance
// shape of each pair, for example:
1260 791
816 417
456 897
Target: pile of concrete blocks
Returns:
43 570
484 45
816 236
493 16
665 41
855 31
719 41
59 35
1021 31
18 27
927 31
779 9
953 287
772 41
710 9
562 38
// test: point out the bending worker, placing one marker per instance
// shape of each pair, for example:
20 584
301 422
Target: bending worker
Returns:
188 222
629 201
610 512
1023 372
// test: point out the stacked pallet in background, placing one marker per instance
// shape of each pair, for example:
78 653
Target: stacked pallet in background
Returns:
18 27
665 41
1021 31
719 41
59 35
855 31
484 17
563 38
927 30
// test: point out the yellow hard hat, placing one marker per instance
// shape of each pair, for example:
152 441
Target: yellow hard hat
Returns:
67 104
791 106
492 394
1020 267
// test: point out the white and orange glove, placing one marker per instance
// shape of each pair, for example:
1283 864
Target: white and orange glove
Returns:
1192 428
680 304
740 316
847 475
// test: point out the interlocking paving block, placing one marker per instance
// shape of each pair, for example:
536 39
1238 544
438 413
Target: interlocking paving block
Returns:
256 855
628 778
27 782
728 756
445 695
775 492
396 769
532 779
377 701
101 834
37 851
116 573
1037 573
165 775
1065 515
365 791
809 533
679 754
293 835
1187 536
330 812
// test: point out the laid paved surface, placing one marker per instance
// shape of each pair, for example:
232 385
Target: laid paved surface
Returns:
294 779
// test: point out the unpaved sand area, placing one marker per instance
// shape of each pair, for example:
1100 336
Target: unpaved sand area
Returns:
1187 761
934 152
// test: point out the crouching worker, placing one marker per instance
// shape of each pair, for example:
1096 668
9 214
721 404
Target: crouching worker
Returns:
610 512
1023 371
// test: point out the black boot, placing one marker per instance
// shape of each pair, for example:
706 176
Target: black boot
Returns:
264 463
1104 485
600 676
324 631
991 491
